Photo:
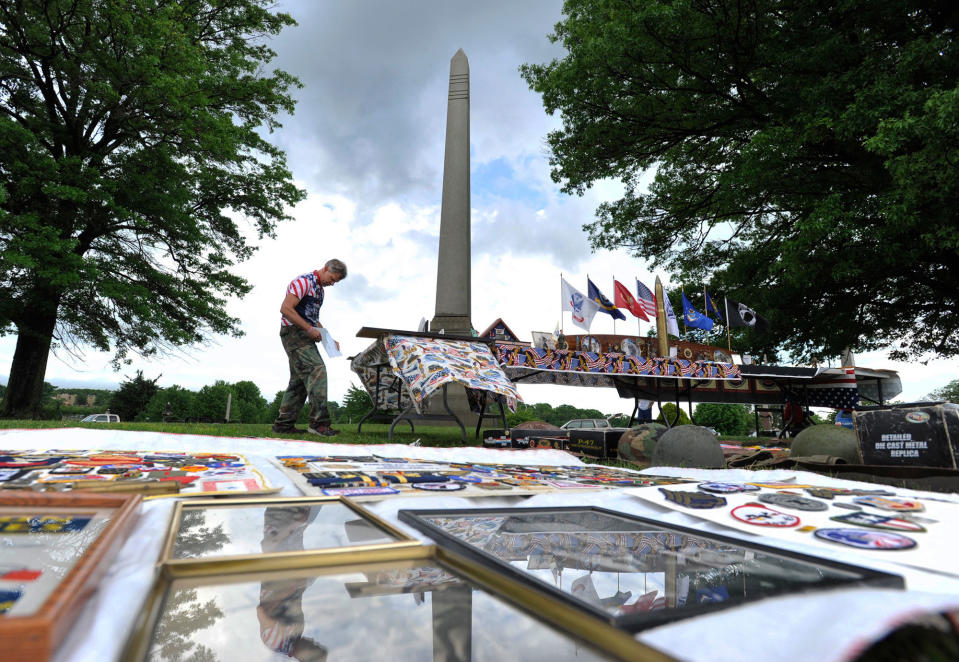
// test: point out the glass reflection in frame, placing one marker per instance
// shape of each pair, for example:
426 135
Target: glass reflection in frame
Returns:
403 610
633 572
209 531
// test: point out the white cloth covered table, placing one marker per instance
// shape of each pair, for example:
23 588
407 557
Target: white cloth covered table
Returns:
845 622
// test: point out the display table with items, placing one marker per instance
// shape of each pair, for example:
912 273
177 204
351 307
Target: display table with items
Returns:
408 373
673 379
556 558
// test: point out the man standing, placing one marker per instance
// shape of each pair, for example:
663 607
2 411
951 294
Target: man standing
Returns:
300 329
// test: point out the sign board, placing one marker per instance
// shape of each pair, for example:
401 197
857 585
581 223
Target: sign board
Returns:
925 435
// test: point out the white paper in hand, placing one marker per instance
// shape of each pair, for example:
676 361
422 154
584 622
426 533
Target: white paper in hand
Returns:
329 344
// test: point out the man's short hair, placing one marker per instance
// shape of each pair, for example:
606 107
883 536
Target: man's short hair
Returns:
337 267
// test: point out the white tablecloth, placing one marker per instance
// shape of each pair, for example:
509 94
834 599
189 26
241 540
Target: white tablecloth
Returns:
844 622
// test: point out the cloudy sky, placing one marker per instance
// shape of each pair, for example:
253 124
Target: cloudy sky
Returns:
367 143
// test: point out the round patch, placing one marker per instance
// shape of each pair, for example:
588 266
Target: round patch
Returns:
866 539
754 513
873 521
727 488
439 487
917 417
792 501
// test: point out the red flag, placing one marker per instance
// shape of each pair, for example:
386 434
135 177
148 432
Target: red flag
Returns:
624 299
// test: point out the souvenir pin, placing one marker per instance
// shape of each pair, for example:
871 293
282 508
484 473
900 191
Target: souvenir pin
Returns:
760 515
880 540
874 521
884 503
727 488
791 500
439 487
693 499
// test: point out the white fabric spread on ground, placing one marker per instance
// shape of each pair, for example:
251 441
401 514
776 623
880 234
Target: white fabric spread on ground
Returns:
844 622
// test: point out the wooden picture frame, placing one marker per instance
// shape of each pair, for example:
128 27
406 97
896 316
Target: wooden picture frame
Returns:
532 545
359 608
276 533
35 635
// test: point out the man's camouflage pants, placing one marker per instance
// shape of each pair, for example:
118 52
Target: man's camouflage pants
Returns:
307 379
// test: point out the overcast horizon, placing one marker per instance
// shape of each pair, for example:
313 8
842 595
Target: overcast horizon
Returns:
366 143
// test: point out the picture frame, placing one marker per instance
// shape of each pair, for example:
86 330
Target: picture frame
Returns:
268 533
606 551
543 340
57 546
410 603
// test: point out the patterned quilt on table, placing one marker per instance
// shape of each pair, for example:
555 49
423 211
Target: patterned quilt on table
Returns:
426 364
389 394
533 365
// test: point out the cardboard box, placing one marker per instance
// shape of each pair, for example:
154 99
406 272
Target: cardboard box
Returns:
596 443
919 434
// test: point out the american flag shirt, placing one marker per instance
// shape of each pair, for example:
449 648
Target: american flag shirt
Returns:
308 290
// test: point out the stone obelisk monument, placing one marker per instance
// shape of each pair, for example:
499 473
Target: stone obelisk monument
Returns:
453 270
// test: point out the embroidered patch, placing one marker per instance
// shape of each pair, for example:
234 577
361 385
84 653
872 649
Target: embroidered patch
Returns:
693 499
779 485
8 599
825 492
879 540
902 505
874 521
847 506
42 524
792 501
727 488
21 575
755 513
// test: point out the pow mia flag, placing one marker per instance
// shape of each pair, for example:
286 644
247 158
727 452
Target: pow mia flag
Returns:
740 314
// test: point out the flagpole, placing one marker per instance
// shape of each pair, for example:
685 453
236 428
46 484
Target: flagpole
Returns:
614 305
562 328
682 290
729 342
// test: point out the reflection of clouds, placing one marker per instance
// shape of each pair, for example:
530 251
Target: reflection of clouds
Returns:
380 626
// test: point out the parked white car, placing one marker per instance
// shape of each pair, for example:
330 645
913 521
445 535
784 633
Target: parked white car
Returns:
101 418
585 424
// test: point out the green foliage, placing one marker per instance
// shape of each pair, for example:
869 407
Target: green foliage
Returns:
131 143
806 157
728 419
543 411
246 403
131 399
667 414
949 392
355 404
180 400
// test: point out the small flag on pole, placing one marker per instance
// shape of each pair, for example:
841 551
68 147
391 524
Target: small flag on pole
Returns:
740 314
694 318
712 308
605 305
646 298
582 309
625 299
672 324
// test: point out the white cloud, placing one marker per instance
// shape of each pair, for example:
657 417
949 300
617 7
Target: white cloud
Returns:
367 144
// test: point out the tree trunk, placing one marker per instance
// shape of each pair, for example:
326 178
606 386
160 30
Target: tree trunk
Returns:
24 397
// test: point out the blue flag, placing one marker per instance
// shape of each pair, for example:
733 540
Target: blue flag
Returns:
712 308
694 318
605 305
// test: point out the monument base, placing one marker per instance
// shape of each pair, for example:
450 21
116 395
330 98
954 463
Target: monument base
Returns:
457 325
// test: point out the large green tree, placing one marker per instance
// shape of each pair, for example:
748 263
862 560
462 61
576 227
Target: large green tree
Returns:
131 146
801 156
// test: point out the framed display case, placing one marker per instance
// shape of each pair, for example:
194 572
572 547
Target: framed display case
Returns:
426 606
54 547
631 572
236 534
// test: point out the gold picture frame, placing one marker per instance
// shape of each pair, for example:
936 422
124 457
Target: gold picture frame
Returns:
236 535
349 608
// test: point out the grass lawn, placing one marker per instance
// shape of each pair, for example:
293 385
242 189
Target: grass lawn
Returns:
428 435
